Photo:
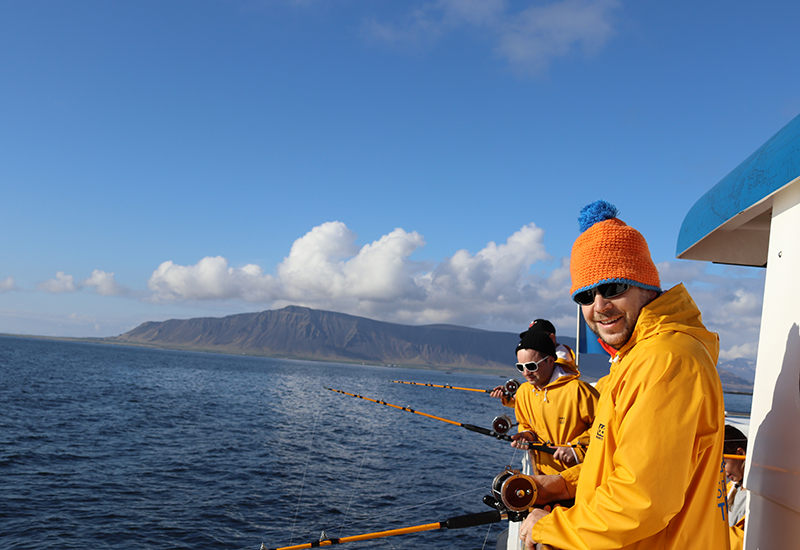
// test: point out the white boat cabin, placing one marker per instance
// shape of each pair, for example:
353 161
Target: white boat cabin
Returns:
752 218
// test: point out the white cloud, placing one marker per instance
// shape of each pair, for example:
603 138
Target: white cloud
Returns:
672 273
58 285
314 268
104 284
326 270
382 272
7 285
210 279
748 350
529 38
541 33
729 298
495 271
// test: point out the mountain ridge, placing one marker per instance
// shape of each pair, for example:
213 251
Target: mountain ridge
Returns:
296 332
303 333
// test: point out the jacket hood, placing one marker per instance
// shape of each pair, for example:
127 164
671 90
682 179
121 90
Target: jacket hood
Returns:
565 377
673 311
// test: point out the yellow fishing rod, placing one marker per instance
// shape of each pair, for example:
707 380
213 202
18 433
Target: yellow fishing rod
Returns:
458 522
513 496
439 386
499 434
509 388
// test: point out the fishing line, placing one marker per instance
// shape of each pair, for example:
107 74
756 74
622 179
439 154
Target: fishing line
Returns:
513 496
499 435
305 469
448 497
353 493
470 427
355 487
512 461
457 522
486 538
362 520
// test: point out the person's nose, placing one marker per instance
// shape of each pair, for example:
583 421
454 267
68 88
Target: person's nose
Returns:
601 304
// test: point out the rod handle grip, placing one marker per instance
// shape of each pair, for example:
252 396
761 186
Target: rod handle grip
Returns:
471 520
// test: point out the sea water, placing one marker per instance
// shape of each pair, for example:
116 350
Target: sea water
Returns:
105 447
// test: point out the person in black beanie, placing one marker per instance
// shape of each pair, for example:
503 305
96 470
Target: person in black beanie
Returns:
564 357
554 406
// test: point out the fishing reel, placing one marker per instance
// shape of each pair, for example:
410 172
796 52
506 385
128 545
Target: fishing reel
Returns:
513 493
510 388
502 424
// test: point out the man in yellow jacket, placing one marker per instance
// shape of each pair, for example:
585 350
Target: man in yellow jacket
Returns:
565 358
553 407
652 477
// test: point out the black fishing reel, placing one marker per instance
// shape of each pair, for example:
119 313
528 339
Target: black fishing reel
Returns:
502 424
513 493
510 388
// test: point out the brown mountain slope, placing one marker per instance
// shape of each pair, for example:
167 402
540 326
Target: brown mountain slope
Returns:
303 333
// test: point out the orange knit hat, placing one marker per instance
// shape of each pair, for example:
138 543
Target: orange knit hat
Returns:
609 251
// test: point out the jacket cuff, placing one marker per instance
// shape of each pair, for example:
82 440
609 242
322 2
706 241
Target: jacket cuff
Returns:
570 476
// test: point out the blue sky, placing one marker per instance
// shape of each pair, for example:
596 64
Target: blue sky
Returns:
414 162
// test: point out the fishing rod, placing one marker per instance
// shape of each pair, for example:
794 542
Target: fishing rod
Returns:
458 522
513 496
509 388
500 422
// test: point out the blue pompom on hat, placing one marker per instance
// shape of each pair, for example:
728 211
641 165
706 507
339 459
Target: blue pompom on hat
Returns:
598 211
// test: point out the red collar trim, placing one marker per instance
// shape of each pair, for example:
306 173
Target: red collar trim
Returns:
611 351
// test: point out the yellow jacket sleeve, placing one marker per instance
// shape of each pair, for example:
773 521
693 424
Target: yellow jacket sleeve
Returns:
571 476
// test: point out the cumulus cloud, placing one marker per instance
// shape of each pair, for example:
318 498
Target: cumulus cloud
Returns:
59 284
730 300
529 38
210 279
8 284
497 273
748 350
325 269
104 284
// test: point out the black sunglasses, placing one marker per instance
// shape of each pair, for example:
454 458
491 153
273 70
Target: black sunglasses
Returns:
607 290
522 367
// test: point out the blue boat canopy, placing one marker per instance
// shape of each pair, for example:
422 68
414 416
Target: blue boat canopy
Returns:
730 224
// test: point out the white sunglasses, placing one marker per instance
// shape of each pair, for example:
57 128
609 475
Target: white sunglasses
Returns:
522 367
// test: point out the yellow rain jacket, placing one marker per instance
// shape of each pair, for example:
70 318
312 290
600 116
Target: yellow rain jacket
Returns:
652 477
561 412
